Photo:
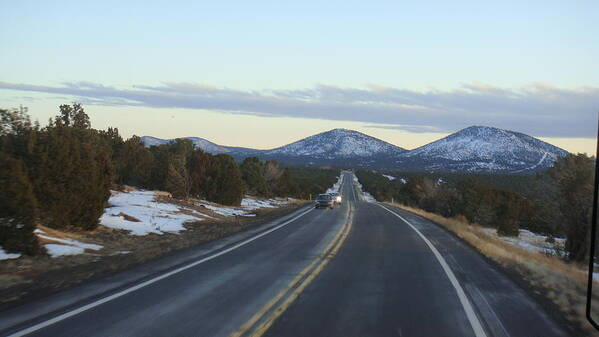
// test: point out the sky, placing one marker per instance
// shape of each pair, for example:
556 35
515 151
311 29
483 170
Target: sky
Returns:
265 73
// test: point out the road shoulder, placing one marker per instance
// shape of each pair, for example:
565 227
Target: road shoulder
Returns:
535 292
48 301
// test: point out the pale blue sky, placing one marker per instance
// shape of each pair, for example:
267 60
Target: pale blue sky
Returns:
423 68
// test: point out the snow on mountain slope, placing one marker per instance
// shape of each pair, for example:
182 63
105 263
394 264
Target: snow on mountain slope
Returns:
200 143
473 149
482 148
338 143
153 141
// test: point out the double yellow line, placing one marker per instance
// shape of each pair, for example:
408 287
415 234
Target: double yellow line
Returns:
264 318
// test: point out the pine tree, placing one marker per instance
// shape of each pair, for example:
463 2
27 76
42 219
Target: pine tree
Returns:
71 172
17 208
507 216
574 178
254 176
133 163
225 178
177 179
285 185
198 166
74 116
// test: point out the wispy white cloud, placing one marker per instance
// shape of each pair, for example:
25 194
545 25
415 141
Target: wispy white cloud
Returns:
539 109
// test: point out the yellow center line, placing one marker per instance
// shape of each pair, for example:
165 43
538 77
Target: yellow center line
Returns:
296 283
295 294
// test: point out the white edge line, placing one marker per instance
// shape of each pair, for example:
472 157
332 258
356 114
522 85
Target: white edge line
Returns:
148 282
474 322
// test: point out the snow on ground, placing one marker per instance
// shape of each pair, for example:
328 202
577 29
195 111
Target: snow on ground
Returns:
365 196
225 211
154 217
335 187
6 256
403 181
65 246
247 204
252 204
391 178
531 241
56 250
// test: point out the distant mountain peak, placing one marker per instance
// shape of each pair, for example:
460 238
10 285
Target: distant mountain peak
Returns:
485 148
338 143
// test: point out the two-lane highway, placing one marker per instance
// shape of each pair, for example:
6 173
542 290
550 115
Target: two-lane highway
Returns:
401 275
362 269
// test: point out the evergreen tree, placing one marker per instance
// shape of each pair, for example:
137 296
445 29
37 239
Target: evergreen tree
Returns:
72 172
177 179
254 176
133 163
507 216
198 166
17 208
74 116
573 179
285 185
225 178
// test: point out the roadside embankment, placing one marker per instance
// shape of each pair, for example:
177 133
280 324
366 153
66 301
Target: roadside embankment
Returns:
137 226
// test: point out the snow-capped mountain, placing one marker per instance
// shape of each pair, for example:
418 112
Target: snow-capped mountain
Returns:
338 143
473 149
198 143
483 149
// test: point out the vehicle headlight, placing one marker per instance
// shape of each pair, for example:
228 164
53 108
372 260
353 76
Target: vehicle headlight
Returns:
338 199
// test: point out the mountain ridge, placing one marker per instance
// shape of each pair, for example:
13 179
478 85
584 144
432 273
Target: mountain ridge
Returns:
472 149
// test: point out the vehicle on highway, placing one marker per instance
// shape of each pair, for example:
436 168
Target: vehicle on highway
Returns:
336 197
324 200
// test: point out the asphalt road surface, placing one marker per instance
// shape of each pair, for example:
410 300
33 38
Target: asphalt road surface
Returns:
361 269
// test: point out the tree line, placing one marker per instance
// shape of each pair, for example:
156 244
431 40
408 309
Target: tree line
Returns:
60 175
557 202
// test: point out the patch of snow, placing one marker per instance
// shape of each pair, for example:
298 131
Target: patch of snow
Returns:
6 256
335 187
252 204
154 217
535 165
56 250
71 242
225 211
531 241
365 196
368 197
66 246
247 204
391 178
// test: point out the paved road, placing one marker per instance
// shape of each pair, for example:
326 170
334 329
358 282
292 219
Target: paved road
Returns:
362 269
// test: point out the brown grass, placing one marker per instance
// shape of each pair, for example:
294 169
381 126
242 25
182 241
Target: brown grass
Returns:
562 283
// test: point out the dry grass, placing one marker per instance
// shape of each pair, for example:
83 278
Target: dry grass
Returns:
562 283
